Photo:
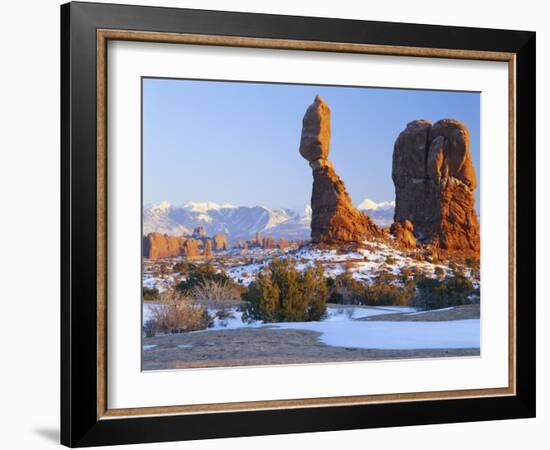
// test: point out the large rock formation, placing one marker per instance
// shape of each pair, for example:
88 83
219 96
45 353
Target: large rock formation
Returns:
434 184
207 251
191 248
333 218
158 245
220 242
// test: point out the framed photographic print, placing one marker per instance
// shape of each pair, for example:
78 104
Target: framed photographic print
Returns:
277 224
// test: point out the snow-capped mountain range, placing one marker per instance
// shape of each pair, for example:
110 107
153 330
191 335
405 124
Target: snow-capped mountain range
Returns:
243 222
381 213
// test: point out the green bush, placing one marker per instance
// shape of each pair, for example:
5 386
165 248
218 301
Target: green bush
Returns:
384 291
336 297
347 289
150 293
281 293
432 293
472 263
198 275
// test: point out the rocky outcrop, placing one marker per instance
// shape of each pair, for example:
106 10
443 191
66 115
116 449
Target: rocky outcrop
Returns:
207 251
404 233
220 242
158 245
334 219
434 185
268 243
191 248
199 232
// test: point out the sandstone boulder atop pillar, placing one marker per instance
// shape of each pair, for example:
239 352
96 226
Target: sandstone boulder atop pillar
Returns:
334 219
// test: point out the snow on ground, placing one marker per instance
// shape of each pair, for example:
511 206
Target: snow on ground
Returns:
394 335
149 346
364 263
340 329
148 311
160 283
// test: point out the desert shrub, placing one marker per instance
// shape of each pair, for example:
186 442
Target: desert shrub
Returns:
385 291
390 260
383 294
439 272
197 275
385 276
348 266
218 297
182 267
405 273
150 293
432 293
386 288
348 289
472 263
283 294
336 297
176 313
163 270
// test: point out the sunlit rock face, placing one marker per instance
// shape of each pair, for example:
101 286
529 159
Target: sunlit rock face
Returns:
334 219
434 180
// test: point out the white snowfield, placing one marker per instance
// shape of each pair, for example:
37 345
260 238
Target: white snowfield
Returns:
394 335
341 329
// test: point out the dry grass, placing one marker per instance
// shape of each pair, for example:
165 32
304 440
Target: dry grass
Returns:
219 298
177 313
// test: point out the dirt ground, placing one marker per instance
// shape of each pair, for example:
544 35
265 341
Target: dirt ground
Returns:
265 346
456 313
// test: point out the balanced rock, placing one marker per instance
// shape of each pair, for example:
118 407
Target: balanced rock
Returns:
334 219
434 181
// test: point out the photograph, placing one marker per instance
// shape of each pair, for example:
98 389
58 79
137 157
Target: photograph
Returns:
305 224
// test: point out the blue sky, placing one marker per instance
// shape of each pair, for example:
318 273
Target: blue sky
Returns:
232 142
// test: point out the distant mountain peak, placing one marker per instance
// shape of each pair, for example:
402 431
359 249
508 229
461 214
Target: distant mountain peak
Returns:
204 207
381 213
371 205
237 222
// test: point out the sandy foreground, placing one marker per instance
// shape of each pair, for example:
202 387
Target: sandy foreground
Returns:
269 345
